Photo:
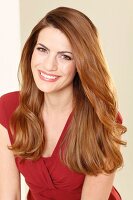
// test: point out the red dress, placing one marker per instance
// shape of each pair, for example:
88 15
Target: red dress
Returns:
47 178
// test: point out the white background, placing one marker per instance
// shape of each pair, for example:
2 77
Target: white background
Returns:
114 20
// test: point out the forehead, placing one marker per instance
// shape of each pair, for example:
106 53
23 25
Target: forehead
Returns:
54 38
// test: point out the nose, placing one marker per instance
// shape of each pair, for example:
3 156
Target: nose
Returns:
50 63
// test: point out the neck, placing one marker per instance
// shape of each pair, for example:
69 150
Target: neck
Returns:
58 103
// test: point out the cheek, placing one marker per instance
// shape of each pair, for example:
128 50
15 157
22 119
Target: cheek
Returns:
69 69
36 60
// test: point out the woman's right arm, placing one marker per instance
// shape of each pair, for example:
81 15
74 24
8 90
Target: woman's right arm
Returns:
9 175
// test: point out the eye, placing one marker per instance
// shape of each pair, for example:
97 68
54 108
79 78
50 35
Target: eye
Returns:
66 57
41 49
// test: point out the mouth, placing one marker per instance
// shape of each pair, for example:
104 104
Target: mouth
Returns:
47 77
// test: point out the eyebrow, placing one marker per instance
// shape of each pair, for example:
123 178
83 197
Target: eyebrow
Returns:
49 49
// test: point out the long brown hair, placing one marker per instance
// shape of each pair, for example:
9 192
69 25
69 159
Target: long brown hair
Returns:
93 137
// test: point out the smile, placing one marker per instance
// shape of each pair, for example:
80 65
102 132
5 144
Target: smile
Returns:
47 77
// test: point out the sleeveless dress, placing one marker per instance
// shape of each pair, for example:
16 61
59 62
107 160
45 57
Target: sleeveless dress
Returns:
48 178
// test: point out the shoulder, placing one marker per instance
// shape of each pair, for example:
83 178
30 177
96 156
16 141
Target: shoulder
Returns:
8 104
10 97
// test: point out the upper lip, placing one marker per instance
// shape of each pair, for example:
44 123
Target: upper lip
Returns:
48 74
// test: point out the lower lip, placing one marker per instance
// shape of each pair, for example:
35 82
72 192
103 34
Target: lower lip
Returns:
47 79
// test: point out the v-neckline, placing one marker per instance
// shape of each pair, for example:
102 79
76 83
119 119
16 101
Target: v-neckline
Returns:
60 138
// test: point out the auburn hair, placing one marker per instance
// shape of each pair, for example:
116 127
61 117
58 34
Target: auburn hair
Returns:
91 144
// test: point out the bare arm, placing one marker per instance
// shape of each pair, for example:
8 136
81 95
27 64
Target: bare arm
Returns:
9 175
97 187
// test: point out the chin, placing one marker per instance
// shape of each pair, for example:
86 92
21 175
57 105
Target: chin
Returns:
45 90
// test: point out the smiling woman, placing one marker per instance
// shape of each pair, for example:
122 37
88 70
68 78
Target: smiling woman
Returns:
63 124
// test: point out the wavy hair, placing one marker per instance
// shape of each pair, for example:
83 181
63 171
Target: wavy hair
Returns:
93 137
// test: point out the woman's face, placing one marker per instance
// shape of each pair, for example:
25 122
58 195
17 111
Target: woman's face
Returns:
52 61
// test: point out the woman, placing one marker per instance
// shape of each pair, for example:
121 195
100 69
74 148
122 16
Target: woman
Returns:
64 126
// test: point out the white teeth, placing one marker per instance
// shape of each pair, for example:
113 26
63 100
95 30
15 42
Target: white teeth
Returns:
47 76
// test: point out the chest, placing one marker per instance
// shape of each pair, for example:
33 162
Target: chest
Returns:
53 133
45 174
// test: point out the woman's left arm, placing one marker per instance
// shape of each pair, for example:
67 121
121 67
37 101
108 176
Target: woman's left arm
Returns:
97 187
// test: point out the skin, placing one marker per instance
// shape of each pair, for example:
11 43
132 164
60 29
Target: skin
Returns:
56 82
9 175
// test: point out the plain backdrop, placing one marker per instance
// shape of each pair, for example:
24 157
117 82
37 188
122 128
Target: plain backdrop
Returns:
114 20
